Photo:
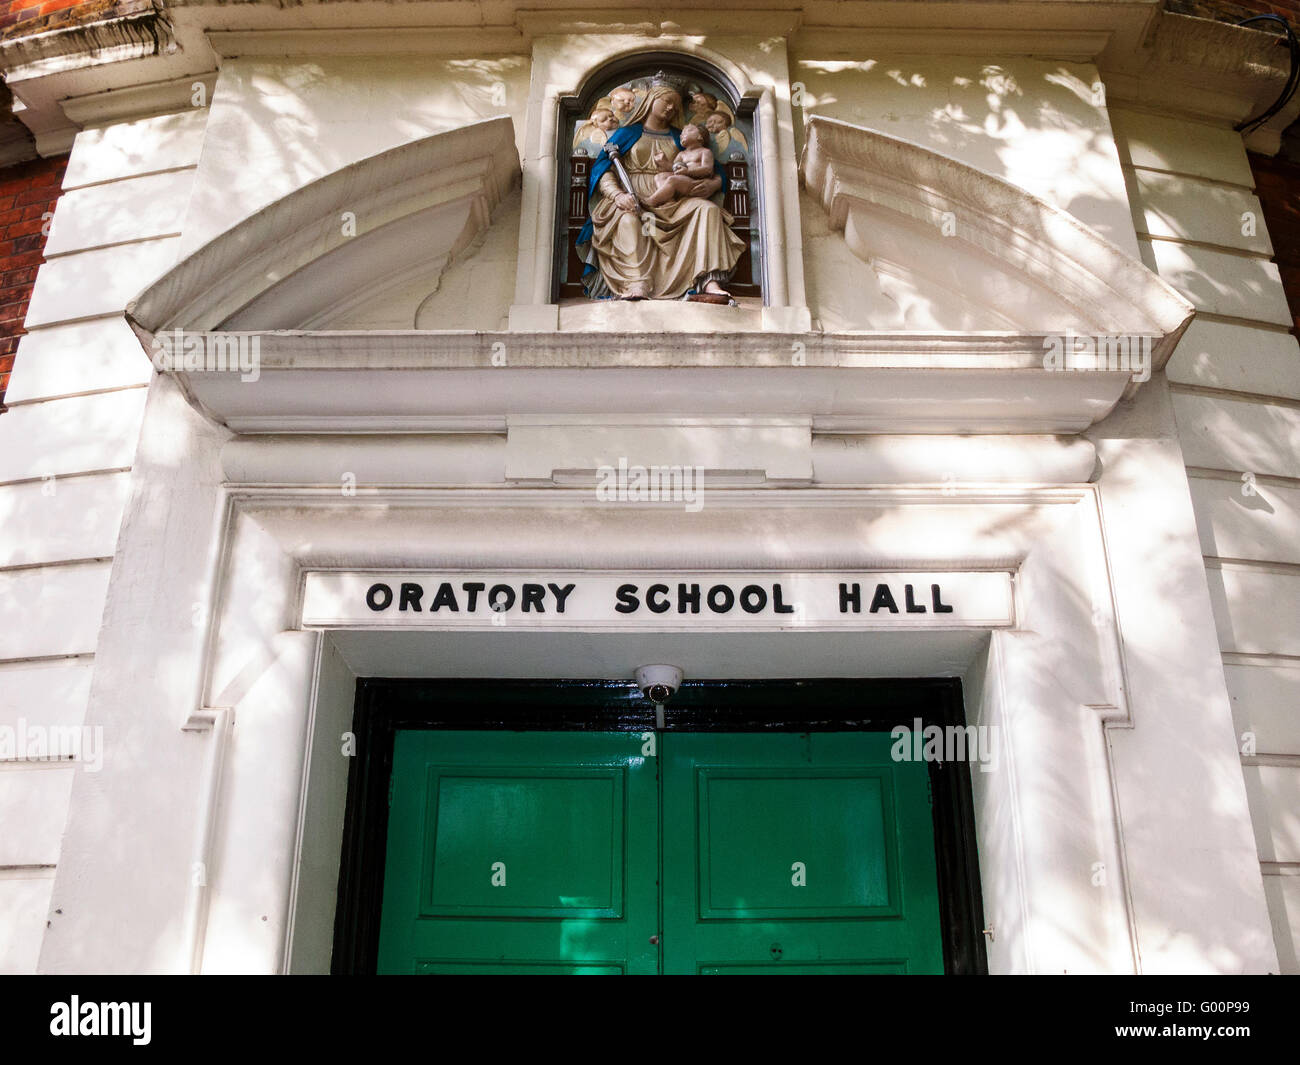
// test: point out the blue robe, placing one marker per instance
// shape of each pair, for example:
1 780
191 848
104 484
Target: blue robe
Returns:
622 138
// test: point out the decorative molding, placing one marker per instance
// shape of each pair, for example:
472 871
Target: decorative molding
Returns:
1206 70
385 41
137 101
655 22
1082 45
137 30
866 179
311 398
839 460
291 261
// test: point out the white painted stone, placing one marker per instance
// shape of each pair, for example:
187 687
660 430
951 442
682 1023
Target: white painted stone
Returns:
151 205
361 461
1235 285
1283 894
52 610
150 650
1266 701
62 436
537 450
63 519
1242 519
351 236
1275 806
70 360
1161 142
100 282
1237 357
325 793
128 149
24 902
1255 609
1188 208
473 291
1183 740
949 460
45 693
1030 121
277 124
33 807
1239 435
936 232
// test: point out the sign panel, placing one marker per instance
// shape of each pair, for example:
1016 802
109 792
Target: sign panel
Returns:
707 601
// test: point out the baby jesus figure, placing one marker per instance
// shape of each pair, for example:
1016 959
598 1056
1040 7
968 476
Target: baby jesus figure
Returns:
691 164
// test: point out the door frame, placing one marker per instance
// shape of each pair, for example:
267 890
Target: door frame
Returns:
383 706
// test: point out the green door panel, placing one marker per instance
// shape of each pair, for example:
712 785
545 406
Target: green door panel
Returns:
796 853
572 852
520 852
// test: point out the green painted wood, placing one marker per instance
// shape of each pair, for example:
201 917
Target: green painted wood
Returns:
520 852
796 853
542 852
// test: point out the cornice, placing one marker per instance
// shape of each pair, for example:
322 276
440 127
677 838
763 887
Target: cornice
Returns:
1149 57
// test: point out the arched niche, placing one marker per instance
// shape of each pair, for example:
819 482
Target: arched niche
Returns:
578 139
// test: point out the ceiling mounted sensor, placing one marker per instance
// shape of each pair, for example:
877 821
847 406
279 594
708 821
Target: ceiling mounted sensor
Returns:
659 684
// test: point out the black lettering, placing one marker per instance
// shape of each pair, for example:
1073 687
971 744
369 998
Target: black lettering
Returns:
753 598
939 608
496 602
561 594
848 597
654 598
532 596
688 594
627 600
473 588
411 594
444 597
912 607
779 607
883 598
377 592
728 597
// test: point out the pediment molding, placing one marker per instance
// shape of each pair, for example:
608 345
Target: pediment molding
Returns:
272 282
891 196
341 239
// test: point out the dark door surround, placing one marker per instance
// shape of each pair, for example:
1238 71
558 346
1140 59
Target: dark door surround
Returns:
384 706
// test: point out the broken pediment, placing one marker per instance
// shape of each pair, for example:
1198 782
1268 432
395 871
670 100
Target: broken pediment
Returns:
930 243
378 233
398 320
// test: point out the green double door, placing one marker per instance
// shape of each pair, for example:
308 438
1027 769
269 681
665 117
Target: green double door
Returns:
618 852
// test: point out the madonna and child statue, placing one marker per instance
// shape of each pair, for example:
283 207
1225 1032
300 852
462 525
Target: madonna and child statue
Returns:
656 228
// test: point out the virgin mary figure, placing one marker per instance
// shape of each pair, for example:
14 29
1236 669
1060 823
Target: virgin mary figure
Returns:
631 251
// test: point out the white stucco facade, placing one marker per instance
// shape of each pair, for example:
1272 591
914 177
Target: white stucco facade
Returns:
938 203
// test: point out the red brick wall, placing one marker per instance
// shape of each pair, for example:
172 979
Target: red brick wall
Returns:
12 11
27 191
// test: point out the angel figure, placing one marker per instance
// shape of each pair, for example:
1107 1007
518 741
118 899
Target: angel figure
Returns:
599 125
623 103
724 134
